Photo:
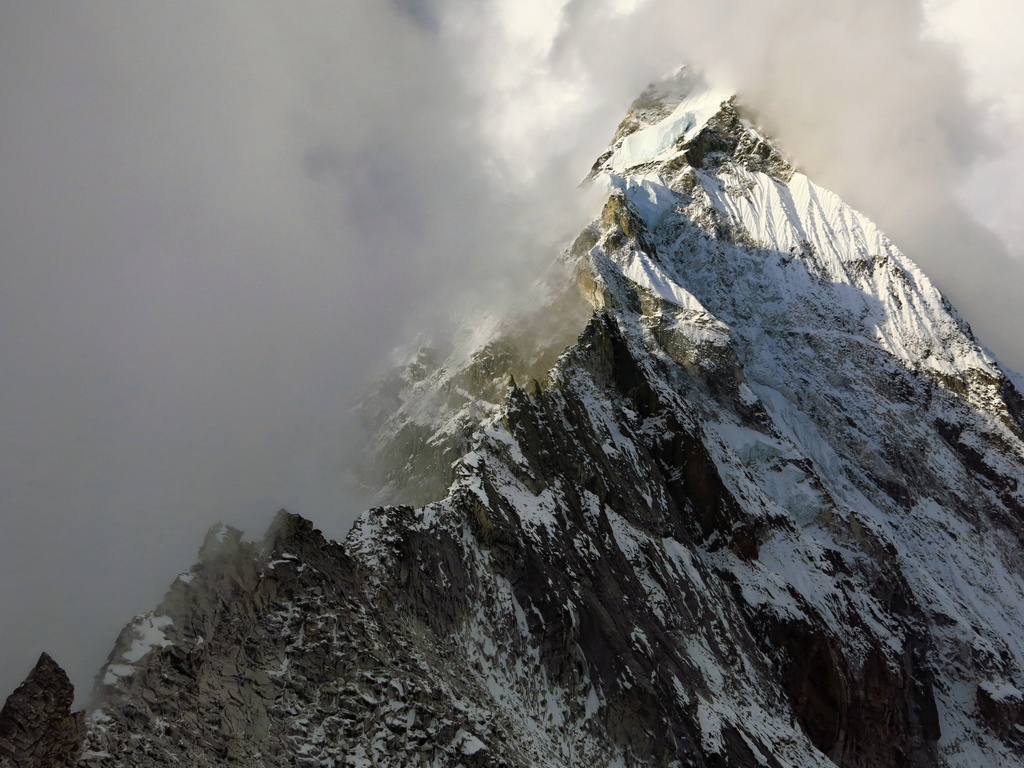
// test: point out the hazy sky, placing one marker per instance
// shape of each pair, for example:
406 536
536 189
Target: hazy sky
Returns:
217 219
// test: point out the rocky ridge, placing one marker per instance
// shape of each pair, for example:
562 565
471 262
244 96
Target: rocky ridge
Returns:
766 509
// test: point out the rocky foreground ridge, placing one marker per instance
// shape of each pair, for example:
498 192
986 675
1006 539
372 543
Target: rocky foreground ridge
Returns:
766 509
37 727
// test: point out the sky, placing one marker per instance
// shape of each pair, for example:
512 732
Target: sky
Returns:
218 220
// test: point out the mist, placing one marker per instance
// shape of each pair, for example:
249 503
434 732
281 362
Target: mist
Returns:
217 221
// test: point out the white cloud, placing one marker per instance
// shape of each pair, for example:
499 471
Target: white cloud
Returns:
987 34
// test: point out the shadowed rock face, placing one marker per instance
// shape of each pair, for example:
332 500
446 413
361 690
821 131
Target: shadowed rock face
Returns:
37 727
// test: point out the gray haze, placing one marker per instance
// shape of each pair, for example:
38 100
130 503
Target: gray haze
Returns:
217 219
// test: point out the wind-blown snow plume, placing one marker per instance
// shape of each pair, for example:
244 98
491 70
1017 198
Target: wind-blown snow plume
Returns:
216 219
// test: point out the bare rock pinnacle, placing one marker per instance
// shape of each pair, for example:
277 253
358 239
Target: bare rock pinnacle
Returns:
37 727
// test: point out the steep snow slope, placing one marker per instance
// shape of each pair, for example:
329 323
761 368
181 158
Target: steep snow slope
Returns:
766 509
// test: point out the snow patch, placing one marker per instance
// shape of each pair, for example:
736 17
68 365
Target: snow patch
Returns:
116 671
641 270
149 634
682 124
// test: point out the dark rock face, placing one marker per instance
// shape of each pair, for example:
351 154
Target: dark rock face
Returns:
37 727
1002 706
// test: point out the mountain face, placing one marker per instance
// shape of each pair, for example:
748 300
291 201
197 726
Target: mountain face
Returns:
759 501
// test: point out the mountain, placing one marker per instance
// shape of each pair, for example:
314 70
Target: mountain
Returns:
741 489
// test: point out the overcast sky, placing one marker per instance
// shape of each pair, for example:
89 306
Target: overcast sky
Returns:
216 221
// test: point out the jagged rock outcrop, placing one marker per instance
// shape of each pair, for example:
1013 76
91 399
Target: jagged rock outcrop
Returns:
37 727
763 510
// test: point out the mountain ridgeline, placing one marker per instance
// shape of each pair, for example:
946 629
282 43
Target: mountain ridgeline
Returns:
742 490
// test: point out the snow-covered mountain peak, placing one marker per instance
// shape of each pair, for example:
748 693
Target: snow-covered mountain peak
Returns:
742 489
703 179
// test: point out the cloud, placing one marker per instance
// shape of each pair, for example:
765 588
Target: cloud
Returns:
217 219
213 221
984 34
